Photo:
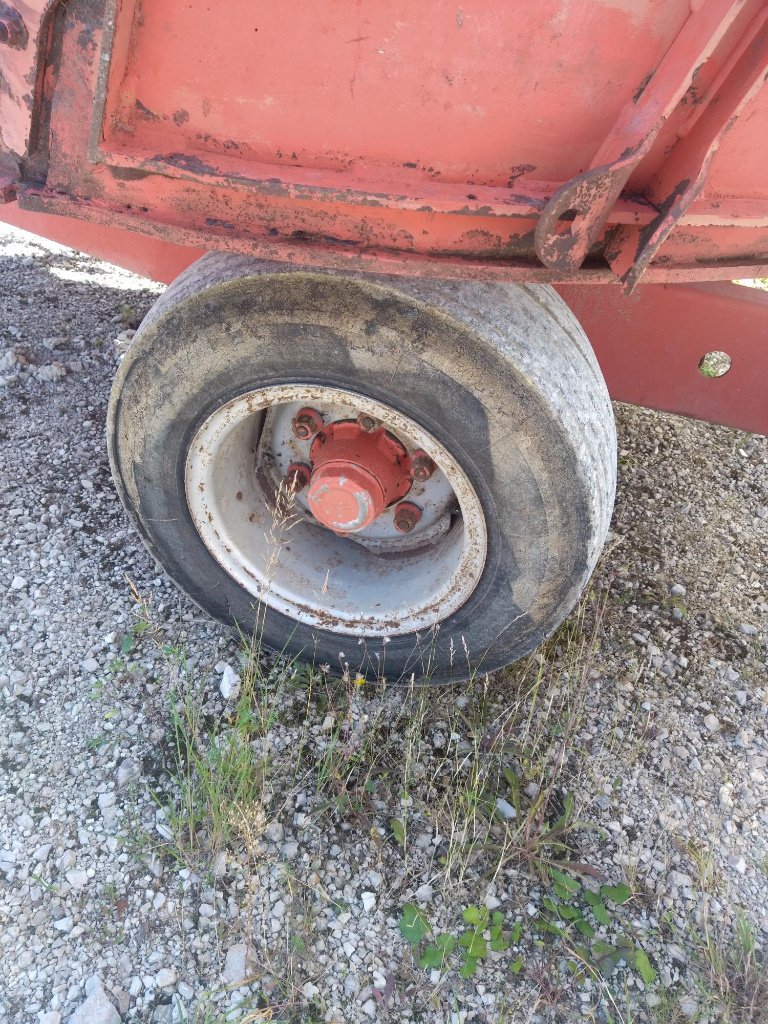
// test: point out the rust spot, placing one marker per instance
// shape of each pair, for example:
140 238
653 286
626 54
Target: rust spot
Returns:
518 171
180 117
645 241
149 114
478 211
85 38
641 88
628 152
693 96
128 173
187 162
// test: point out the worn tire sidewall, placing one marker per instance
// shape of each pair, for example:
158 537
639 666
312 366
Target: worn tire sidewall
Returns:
255 332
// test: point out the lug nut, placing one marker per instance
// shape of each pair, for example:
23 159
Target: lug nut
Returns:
368 423
407 516
422 467
297 477
306 423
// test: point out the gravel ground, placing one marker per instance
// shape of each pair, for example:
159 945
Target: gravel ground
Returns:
347 861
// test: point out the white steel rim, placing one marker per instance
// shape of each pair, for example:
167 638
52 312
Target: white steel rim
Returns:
378 586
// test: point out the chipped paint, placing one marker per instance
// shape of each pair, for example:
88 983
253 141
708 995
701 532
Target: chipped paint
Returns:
158 156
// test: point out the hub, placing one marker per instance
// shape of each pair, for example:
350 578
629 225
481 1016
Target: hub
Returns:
356 474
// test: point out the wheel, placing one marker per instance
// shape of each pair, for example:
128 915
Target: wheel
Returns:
398 478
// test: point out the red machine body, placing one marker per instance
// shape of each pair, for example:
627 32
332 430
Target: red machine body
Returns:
615 149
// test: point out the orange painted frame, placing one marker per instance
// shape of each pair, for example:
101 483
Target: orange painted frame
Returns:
112 142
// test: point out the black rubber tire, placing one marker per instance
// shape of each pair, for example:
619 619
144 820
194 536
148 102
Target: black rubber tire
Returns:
502 375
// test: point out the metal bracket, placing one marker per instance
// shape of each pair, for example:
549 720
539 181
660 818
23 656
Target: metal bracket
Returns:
684 173
575 216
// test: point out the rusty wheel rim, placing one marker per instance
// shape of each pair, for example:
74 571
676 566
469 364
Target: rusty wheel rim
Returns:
247 481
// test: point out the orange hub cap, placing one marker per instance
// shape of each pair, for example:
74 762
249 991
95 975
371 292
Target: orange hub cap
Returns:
345 497
356 474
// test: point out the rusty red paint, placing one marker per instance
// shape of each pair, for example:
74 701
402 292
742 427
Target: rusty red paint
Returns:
147 248
685 170
144 254
429 184
577 213
422 467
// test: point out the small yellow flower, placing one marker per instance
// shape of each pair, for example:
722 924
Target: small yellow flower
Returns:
359 680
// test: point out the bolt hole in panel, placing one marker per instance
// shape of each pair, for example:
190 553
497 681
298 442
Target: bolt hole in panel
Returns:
714 364
701 350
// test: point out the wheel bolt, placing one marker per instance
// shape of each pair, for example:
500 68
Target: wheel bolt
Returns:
422 467
297 477
407 516
306 424
368 423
